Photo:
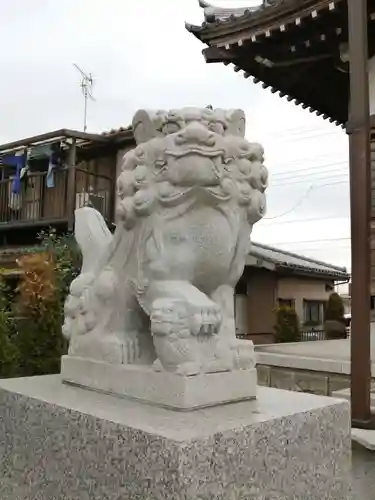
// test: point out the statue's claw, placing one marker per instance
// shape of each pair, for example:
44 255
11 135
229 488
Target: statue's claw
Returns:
188 369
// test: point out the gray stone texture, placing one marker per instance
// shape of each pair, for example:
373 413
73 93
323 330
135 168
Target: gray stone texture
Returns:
363 473
264 375
337 382
162 388
59 442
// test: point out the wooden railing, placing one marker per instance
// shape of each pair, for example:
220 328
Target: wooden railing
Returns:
36 203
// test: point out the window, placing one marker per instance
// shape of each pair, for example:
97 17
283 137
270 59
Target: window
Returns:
313 311
7 172
286 303
372 302
241 287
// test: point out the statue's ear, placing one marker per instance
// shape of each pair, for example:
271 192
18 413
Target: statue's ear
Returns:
147 125
236 122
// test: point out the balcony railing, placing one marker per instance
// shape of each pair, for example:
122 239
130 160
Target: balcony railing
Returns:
38 204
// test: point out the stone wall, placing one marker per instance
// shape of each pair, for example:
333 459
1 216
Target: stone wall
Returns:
291 379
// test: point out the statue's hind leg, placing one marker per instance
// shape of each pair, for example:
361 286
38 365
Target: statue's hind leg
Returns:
224 297
241 352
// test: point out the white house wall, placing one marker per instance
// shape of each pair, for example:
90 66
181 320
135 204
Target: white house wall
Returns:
302 289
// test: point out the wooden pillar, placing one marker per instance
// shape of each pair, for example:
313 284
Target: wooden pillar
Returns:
372 223
71 185
360 191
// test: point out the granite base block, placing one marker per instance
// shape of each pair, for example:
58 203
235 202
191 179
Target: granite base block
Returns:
165 389
61 442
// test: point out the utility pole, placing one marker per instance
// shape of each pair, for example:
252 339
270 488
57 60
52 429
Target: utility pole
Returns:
87 83
360 208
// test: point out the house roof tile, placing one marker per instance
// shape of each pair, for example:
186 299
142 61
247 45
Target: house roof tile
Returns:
288 260
116 131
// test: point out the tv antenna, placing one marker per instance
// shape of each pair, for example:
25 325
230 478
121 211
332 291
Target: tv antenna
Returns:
87 83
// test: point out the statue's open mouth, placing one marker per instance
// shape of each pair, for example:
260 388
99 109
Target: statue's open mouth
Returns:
209 153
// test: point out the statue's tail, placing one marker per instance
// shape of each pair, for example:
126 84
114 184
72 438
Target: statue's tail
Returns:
93 238
92 235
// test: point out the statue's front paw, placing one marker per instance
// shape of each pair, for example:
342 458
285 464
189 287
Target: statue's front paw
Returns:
188 369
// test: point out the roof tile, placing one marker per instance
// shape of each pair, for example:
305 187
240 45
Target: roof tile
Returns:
115 131
214 14
290 260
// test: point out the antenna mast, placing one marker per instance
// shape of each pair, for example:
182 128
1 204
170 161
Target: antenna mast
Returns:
87 84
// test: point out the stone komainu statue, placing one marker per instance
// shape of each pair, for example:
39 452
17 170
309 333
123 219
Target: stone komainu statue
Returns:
160 291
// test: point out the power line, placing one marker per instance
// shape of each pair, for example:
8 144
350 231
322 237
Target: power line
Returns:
307 193
312 241
336 171
310 180
294 207
301 129
323 249
305 159
297 178
312 169
300 220
300 137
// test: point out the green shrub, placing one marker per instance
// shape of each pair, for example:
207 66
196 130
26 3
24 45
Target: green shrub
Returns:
67 258
334 330
287 325
334 324
8 351
335 308
43 288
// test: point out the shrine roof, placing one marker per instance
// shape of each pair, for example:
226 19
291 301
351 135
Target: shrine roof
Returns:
297 48
213 14
216 19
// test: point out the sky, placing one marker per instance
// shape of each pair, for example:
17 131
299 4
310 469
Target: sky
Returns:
141 56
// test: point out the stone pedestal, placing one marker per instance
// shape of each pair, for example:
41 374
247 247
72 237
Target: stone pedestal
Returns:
62 442
165 389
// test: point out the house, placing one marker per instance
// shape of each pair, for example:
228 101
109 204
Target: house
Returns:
44 178
274 277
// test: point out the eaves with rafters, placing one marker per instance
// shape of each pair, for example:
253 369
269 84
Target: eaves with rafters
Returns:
297 48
